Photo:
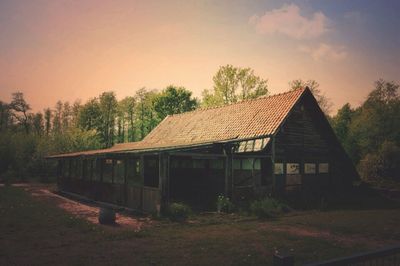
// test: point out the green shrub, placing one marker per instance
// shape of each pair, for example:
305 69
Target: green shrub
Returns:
178 212
224 204
268 208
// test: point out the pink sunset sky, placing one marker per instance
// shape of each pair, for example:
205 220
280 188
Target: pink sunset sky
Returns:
68 50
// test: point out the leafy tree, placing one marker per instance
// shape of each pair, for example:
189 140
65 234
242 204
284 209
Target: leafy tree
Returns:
233 84
146 116
121 123
57 118
76 107
21 109
47 118
66 116
89 115
108 110
5 116
38 123
323 101
371 133
377 120
174 100
127 107
341 124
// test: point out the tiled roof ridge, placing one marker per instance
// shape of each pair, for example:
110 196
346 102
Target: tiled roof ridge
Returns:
241 102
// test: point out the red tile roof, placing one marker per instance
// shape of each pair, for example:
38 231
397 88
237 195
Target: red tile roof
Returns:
247 119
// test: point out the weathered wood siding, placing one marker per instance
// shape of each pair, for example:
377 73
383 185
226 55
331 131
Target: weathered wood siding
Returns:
305 137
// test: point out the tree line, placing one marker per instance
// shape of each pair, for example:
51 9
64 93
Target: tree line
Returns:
369 133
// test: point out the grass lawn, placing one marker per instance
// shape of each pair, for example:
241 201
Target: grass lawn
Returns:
36 232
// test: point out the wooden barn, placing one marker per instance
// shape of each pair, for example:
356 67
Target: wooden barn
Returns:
276 145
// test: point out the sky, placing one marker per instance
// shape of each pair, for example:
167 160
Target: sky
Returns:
66 50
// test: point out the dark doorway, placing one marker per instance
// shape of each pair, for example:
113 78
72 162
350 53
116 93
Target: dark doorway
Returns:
151 171
196 181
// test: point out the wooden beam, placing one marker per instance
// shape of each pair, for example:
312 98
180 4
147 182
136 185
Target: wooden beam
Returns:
273 166
199 155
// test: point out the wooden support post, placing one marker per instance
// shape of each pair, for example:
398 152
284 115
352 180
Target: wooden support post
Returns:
274 189
141 169
167 179
126 161
227 176
228 172
163 178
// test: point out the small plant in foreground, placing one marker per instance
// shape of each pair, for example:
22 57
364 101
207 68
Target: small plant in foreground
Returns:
178 212
224 204
268 208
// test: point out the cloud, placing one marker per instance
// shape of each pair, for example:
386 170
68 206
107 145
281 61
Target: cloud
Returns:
287 20
354 17
325 51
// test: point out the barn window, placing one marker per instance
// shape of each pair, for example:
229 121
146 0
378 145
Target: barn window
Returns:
323 168
258 144
237 164
217 164
199 164
247 164
133 174
119 172
278 169
242 146
310 168
292 168
251 145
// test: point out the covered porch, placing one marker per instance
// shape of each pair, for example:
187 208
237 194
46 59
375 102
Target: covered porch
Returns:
148 181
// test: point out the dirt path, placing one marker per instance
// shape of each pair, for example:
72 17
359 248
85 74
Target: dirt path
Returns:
87 212
326 235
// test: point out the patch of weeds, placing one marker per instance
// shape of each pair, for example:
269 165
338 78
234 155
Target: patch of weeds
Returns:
268 208
224 204
178 212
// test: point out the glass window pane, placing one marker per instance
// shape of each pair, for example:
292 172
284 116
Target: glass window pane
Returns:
247 164
249 146
242 146
201 164
217 164
258 144
323 168
292 168
133 174
236 164
257 164
310 168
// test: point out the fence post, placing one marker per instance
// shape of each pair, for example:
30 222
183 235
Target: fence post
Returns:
283 260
